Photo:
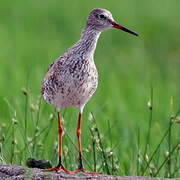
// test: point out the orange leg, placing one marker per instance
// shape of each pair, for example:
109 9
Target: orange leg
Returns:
60 133
78 133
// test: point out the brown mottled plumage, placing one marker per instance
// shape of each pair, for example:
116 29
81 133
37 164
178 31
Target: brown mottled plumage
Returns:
72 79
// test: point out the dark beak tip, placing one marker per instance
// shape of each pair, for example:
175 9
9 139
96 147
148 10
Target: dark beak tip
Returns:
118 26
136 34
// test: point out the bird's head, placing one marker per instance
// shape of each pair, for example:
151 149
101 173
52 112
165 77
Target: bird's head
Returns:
101 19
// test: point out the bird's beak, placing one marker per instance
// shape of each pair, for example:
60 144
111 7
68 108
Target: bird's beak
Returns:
118 26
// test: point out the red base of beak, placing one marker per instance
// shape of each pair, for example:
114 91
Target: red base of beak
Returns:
118 26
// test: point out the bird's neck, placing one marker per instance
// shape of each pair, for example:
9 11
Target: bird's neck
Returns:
88 41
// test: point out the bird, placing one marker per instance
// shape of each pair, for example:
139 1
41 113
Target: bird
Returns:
72 78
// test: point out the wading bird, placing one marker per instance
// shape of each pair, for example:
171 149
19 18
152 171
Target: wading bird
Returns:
72 79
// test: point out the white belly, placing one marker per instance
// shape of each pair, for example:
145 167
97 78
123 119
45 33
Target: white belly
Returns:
74 96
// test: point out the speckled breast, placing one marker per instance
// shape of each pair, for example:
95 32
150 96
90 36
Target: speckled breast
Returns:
68 84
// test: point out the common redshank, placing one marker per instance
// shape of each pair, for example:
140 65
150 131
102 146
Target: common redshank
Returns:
72 79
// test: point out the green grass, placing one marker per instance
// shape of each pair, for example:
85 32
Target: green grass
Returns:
124 136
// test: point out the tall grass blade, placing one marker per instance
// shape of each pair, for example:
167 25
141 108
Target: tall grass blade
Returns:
158 146
167 158
150 105
102 147
94 149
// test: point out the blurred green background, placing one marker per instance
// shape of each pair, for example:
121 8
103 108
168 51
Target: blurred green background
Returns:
34 33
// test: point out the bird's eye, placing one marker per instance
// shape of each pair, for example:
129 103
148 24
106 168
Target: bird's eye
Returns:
102 16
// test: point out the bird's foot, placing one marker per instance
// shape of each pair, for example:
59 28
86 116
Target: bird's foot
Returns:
59 168
81 167
85 171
